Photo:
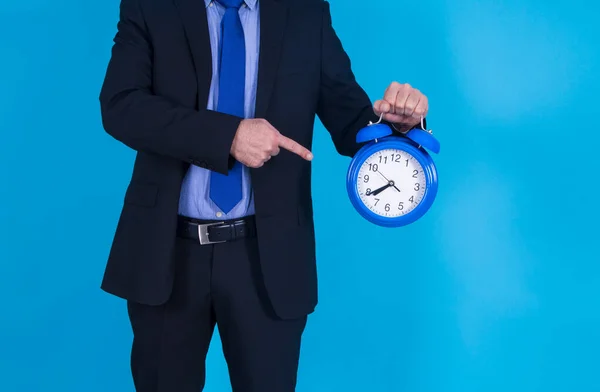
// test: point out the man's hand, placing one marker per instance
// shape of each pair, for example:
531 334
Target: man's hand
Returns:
403 105
256 141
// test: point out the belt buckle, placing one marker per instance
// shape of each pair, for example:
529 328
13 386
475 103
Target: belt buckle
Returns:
203 233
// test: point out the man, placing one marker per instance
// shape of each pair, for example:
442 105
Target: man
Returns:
219 100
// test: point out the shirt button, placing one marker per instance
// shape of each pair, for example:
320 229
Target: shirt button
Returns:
219 214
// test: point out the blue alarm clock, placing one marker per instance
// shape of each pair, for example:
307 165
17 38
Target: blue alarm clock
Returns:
392 181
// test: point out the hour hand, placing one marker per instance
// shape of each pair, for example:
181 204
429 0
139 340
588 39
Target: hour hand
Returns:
379 190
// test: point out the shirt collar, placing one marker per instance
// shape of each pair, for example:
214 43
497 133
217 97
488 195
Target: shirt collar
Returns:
250 3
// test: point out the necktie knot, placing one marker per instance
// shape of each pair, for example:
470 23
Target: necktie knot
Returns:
236 4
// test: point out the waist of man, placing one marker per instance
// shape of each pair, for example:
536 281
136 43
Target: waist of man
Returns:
208 232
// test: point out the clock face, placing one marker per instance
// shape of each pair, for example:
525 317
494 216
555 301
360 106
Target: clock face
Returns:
391 183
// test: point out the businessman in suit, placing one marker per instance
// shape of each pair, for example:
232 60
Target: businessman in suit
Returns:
219 100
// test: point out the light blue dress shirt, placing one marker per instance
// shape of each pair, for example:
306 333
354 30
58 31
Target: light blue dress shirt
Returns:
194 201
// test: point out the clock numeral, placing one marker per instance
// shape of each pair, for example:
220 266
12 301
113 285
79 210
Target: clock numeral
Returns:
415 173
366 178
407 163
387 208
368 192
376 201
417 186
401 206
373 167
393 158
412 199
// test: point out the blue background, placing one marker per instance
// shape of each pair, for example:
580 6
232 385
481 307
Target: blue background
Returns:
495 289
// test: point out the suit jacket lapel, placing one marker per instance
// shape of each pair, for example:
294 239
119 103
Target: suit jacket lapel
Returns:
195 23
273 15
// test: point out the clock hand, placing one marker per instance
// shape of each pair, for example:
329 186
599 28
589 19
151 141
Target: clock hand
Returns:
381 174
383 188
391 182
378 190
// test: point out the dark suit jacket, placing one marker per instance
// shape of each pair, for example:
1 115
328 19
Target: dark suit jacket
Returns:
153 100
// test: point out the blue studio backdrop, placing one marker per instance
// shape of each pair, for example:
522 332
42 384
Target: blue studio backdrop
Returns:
495 289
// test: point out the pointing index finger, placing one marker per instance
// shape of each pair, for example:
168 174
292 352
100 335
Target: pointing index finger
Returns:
295 147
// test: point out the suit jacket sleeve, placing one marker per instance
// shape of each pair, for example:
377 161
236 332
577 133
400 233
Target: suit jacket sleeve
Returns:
132 114
344 107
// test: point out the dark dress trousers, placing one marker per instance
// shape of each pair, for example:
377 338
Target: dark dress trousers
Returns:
153 100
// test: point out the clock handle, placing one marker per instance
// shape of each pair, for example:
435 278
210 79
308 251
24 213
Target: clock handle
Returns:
423 126
422 123
379 122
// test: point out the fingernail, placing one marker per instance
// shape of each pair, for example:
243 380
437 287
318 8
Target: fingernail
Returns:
309 156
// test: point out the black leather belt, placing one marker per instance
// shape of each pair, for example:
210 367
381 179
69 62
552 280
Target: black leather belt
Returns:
214 232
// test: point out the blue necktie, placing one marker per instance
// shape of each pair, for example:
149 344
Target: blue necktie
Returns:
226 191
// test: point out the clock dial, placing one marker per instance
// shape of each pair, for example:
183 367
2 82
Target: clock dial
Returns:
391 183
